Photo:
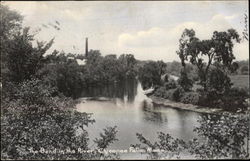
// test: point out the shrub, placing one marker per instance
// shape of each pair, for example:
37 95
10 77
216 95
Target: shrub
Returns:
170 85
207 98
234 99
244 70
218 81
190 98
159 92
35 120
223 136
171 94
178 92
184 81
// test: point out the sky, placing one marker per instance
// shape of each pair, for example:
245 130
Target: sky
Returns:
148 29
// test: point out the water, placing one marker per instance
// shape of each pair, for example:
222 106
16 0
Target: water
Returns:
126 106
134 113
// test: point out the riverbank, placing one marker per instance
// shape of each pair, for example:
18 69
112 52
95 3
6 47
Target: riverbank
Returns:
182 106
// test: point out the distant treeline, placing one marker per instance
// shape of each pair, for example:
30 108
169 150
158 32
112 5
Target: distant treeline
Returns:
175 67
243 67
70 78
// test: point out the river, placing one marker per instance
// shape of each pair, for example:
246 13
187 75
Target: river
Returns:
126 106
134 113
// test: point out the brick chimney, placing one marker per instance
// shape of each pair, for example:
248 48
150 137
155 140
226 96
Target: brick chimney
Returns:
86 47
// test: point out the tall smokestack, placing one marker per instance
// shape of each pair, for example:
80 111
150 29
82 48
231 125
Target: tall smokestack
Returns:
86 47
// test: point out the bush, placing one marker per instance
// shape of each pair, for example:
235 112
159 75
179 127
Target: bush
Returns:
35 120
178 92
244 70
234 99
218 81
171 94
159 92
190 98
184 81
170 85
231 100
68 77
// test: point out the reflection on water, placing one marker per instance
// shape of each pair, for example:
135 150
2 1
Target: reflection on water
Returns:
156 117
152 113
125 90
133 112
136 115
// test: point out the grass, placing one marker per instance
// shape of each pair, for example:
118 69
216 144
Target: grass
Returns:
241 81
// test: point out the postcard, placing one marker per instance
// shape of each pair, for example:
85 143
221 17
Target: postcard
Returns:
104 80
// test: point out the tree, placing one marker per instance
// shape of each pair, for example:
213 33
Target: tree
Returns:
203 53
23 59
174 68
128 65
218 81
184 81
36 121
109 68
10 24
150 73
244 70
93 57
222 136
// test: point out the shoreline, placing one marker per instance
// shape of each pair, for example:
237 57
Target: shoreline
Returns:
170 104
182 106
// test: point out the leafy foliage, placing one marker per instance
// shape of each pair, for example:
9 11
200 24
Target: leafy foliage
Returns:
107 138
128 66
150 73
218 49
191 98
37 121
10 24
24 60
66 77
234 99
218 81
245 70
173 94
184 81
223 136
220 136
171 84
166 147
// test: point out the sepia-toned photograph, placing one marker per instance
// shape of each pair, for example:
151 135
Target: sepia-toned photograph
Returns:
124 80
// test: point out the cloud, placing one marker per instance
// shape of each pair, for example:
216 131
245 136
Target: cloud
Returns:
160 36
71 14
153 37
163 42
149 30
241 51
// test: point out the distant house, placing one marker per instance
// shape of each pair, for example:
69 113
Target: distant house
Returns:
81 62
71 58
